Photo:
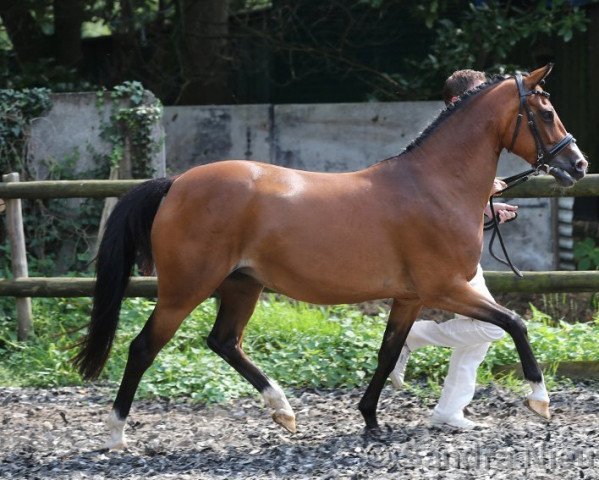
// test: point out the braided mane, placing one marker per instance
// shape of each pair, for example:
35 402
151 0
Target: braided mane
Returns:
452 108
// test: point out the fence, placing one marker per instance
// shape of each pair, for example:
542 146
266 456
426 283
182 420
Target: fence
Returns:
22 287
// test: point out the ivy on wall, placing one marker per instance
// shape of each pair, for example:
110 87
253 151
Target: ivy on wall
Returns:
17 109
60 238
130 128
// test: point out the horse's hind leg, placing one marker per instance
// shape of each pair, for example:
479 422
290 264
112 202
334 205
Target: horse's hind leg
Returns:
238 296
158 330
401 318
180 289
469 302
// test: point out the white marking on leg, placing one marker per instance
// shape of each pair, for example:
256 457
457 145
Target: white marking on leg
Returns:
283 413
117 432
539 392
538 399
276 399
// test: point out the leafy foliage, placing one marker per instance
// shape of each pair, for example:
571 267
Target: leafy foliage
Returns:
485 36
586 253
50 225
296 344
56 77
283 42
61 233
17 109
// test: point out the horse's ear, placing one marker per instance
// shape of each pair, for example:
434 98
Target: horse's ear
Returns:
538 76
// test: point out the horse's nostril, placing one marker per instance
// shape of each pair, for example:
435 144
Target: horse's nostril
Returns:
581 165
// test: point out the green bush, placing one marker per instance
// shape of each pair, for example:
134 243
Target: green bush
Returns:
586 254
296 344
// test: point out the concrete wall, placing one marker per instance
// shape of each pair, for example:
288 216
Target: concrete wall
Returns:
71 131
322 137
346 137
199 135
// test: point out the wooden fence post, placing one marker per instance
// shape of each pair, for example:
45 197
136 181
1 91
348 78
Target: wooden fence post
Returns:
16 234
109 204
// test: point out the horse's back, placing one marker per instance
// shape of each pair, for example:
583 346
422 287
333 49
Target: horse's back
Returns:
261 199
237 182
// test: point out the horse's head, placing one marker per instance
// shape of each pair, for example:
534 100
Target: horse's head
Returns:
537 134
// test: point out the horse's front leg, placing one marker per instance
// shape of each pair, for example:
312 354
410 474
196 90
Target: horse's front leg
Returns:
401 317
467 301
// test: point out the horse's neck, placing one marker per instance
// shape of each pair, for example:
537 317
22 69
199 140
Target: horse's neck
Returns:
466 153
458 162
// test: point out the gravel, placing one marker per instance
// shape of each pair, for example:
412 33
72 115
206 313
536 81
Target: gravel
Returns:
58 433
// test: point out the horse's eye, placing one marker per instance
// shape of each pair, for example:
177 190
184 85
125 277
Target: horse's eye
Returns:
547 115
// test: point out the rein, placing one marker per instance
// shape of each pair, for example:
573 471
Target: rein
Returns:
493 224
544 158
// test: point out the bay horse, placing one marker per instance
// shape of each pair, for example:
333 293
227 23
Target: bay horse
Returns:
407 228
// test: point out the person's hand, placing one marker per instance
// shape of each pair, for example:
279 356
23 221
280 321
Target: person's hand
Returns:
504 211
498 185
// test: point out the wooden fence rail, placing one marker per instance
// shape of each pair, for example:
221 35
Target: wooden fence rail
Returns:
498 282
544 186
67 189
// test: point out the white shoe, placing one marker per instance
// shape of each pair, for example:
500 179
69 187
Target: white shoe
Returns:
397 375
456 420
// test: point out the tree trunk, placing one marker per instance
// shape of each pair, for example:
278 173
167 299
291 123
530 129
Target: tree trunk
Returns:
203 52
24 33
68 17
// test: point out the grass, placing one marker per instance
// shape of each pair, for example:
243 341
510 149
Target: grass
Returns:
296 344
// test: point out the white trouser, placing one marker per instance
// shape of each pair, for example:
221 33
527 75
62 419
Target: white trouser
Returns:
470 340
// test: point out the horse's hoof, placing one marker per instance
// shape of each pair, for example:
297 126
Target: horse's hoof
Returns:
116 444
286 420
372 429
372 434
540 407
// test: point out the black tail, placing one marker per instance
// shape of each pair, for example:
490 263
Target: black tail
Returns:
127 235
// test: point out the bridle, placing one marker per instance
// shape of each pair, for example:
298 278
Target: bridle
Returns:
544 156
543 163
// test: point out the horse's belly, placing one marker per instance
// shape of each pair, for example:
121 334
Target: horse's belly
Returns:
332 279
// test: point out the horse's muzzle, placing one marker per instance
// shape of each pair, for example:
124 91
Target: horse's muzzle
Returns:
569 166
